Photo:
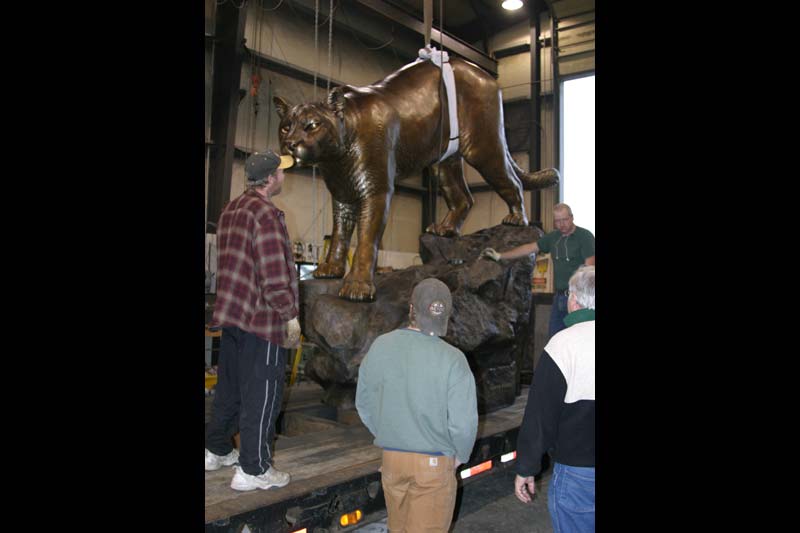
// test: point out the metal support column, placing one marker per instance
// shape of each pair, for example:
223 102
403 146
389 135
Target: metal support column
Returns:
534 153
557 111
228 53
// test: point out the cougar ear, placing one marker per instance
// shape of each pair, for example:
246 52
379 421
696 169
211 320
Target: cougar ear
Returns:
281 105
336 100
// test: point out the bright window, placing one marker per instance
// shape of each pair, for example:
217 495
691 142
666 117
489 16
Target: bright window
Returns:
577 188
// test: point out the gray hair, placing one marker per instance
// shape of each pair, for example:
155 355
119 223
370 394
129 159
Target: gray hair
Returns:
581 284
563 207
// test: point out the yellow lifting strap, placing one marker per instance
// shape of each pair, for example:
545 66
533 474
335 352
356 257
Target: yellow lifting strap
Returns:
298 355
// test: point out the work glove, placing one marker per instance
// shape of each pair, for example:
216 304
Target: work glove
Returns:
490 253
293 332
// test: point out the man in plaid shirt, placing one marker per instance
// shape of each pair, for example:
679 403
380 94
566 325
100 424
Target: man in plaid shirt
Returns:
257 308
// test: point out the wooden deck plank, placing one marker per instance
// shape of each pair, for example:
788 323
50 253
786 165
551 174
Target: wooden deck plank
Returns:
284 442
302 395
339 466
504 419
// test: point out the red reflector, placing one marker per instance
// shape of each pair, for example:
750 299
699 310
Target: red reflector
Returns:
477 469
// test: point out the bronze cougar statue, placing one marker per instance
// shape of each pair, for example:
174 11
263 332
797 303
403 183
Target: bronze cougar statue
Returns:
363 139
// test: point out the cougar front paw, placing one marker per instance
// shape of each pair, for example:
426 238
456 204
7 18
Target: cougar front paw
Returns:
443 230
329 270
357 290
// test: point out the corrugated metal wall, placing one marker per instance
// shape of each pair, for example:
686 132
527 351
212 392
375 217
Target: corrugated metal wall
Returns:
575 32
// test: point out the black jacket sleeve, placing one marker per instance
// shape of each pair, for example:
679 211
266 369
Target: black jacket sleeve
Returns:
539 428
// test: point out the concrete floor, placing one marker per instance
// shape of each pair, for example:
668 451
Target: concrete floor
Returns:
488 504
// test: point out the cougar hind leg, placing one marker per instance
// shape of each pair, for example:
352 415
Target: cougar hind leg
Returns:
490 159
456 194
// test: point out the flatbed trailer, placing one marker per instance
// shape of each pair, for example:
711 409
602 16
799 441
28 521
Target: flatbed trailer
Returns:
335 484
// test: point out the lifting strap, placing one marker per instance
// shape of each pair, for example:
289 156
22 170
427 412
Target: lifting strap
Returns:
441 60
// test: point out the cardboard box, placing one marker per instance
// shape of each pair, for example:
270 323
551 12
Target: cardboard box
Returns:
542 278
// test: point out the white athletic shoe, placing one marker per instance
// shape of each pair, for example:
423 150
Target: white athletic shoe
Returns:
214 461
270 478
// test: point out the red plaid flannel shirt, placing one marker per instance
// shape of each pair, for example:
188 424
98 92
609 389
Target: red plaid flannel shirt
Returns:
257 287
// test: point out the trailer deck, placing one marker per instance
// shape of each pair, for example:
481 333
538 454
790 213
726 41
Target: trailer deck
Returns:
323 452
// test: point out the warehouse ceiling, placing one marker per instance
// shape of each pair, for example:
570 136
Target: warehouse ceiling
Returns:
469 20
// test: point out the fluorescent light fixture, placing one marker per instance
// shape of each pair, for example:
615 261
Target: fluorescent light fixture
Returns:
512 5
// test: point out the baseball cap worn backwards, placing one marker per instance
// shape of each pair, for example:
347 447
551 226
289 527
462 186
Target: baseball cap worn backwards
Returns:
261 164
432 303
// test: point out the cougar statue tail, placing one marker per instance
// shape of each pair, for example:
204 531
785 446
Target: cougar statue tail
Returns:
540 179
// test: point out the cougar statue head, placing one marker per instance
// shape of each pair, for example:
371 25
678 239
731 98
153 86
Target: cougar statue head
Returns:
312 132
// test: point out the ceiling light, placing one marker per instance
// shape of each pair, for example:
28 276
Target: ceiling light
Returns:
512 5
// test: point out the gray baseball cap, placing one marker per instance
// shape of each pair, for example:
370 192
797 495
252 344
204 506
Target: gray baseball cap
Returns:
432 303
261 164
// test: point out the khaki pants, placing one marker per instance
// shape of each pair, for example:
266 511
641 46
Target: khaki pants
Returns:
420 491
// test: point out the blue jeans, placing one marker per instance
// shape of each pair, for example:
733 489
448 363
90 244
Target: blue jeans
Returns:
557 313
570 499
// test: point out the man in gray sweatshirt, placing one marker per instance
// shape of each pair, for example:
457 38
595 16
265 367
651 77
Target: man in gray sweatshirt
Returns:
416 394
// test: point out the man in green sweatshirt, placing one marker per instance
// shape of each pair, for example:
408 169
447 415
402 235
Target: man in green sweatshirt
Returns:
569 246
416 394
